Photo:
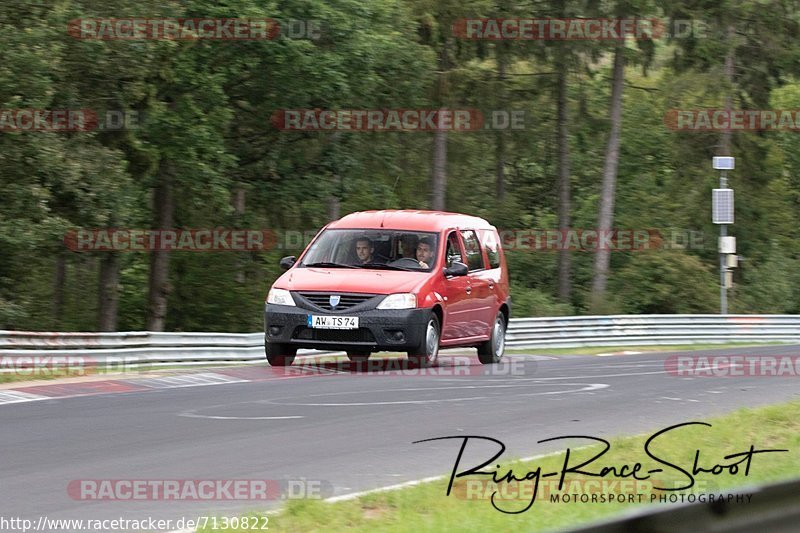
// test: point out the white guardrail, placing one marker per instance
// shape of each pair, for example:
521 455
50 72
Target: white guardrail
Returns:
550 332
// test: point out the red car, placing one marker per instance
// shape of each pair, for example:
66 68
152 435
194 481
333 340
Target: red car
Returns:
411 281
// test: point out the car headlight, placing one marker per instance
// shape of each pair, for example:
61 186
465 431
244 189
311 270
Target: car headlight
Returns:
399 301
280 297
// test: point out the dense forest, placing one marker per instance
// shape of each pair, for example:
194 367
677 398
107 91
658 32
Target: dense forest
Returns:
199 147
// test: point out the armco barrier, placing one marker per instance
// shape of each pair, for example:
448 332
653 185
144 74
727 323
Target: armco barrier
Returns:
549 332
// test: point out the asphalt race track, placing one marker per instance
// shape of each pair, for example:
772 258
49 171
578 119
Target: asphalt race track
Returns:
352 430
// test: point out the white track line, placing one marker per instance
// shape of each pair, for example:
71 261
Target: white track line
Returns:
413 483
16 396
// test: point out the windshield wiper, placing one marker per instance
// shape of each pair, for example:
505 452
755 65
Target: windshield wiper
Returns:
384 266
327 264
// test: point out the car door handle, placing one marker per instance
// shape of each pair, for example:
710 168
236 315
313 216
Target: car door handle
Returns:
469 290
491 284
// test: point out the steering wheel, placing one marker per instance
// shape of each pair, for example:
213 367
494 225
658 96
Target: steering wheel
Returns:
406 262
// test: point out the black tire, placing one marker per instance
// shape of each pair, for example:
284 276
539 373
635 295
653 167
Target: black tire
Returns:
426 353
358 357
279 354
491 351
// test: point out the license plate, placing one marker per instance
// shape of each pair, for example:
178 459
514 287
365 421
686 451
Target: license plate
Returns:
332 322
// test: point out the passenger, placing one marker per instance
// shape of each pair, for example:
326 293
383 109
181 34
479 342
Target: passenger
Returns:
425 252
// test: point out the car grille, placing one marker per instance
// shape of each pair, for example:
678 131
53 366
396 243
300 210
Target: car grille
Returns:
334 335
322 300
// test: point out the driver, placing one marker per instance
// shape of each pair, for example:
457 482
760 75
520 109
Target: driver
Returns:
408 245
364 250
425 252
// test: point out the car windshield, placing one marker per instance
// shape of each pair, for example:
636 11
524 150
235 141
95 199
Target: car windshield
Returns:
369 248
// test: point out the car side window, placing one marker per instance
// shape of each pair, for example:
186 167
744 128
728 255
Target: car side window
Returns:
492 248
453 250
473 249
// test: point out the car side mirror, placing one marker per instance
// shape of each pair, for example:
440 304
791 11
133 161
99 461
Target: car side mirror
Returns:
288 262
456 269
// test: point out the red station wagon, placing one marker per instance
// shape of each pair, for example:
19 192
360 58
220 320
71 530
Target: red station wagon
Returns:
411 281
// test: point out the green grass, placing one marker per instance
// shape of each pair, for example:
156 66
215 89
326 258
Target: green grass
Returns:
592 350
427 508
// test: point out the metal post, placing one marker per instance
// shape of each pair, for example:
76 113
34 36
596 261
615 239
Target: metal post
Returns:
723 231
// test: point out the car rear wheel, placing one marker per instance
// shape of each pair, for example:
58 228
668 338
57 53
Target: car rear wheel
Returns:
491 351
427 351
279 354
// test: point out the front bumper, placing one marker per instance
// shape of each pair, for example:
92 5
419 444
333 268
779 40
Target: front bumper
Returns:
379 329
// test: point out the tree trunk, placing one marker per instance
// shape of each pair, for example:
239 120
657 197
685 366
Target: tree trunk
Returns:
439 173
439 170
238 211
334 203
335 199
159 259
59 281
564 196
108 297
334 208
605 219
500 147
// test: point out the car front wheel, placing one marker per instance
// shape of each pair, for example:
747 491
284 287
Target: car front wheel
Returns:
491 351
279 354
358 357
427 351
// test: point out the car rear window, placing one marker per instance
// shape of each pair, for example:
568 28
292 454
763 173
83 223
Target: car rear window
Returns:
473 250
489 241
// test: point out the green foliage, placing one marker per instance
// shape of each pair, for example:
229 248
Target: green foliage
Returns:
665 283
205 113
533 302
